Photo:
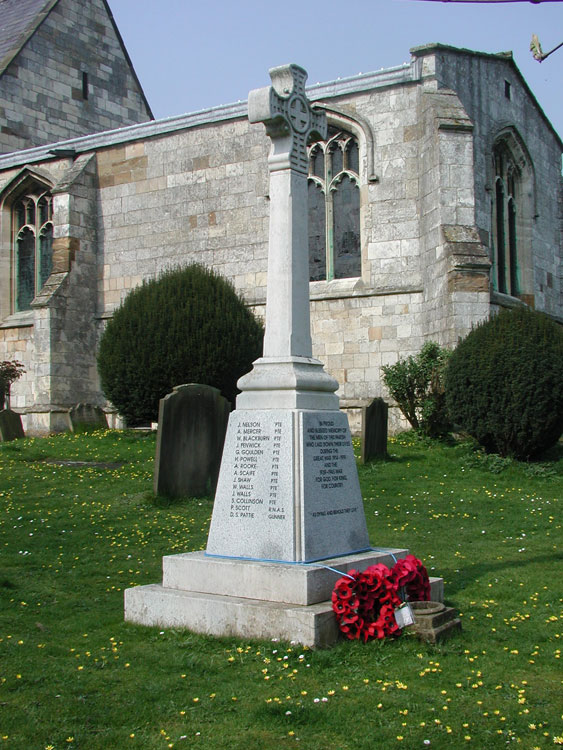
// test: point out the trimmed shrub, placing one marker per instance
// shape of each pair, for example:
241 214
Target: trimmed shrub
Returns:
187 326
504 383
416 384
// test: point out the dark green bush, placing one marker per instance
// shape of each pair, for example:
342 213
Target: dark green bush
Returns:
504 383
416 384
187 326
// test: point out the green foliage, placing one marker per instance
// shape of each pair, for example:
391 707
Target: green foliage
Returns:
504 383
10 371
416 384
75 675
187 326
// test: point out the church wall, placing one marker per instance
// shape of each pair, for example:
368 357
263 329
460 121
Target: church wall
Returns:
201 194
41 98
56 338
496 99
16 343
63 315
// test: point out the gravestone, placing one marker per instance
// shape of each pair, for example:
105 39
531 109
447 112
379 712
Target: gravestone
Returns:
85 417
192 422
288 516
10 426
374 430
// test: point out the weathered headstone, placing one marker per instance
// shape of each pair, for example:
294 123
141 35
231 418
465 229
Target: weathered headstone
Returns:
374 430
10 426
192 422
85 417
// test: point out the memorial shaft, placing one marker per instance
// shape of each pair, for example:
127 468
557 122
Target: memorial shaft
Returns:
288 488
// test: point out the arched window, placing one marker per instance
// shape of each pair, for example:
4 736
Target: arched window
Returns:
32 223
334 207
506 268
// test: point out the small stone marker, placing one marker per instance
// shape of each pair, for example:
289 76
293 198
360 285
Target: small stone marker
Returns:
374 430
85 417
192 422
434 622
10 426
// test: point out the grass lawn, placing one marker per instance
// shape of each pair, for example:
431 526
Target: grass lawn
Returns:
73 536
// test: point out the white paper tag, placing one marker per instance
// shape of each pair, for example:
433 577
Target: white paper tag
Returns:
404 615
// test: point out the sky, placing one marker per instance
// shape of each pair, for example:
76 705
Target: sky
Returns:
195 54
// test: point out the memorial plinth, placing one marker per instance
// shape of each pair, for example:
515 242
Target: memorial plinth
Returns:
288 517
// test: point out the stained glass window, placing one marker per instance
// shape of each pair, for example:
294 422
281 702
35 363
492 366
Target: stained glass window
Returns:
334 207
505 270
33 246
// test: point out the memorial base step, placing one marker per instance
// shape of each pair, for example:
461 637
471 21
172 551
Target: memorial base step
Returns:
292 583
250 599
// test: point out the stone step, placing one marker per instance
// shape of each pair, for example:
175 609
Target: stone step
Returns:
251 599
154 605
313 625
292 583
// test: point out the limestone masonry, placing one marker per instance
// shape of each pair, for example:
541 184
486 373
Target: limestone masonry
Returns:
457 184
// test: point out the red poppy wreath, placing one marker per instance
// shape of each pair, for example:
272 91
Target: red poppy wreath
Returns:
365 603
409 573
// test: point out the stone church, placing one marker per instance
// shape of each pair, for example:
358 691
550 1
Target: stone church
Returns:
436 198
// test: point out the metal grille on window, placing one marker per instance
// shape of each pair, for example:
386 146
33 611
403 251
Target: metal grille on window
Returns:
33 246
334 207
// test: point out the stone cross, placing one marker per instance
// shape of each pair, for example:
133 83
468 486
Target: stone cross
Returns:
291 124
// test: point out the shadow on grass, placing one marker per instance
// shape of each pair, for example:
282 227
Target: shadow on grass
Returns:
474 571
391 458
165 501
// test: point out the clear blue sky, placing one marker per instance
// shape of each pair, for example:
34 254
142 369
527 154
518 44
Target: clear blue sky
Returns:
194 54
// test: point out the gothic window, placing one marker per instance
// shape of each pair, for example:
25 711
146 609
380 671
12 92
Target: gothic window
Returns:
32 222
334 207
505 270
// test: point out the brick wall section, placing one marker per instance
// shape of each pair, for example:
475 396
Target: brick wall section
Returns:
196 196
41 89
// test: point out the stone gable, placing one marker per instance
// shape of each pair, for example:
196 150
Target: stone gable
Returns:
65 73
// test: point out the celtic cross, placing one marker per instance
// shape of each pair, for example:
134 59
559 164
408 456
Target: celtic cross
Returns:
290 122
287 376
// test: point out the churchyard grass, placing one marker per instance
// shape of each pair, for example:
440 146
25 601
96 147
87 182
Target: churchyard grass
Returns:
74 675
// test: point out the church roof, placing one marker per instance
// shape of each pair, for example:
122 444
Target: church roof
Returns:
18 20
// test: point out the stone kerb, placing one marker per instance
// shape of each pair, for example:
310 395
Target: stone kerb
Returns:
192 423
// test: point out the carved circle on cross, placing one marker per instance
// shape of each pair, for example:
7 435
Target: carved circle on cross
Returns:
299 114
